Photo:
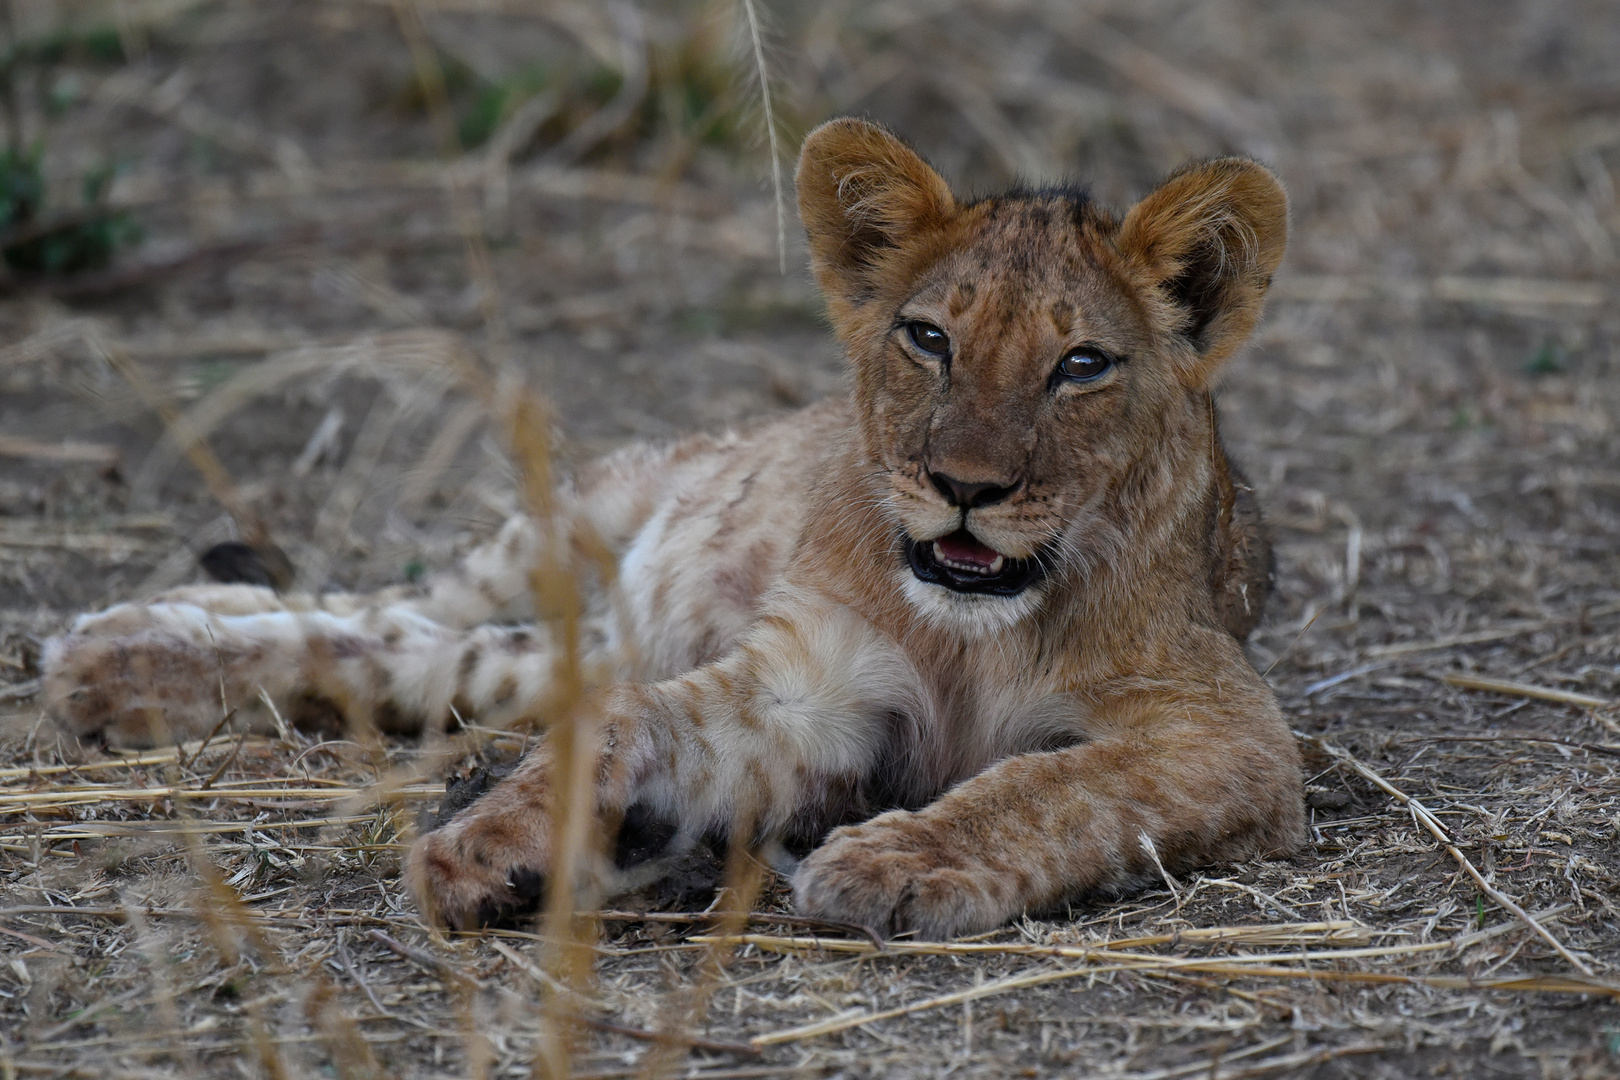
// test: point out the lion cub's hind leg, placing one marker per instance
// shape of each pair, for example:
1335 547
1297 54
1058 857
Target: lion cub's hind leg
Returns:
138 674
175 675
403 658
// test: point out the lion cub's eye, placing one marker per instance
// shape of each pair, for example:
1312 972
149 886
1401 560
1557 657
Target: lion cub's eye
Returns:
1085 364
929 338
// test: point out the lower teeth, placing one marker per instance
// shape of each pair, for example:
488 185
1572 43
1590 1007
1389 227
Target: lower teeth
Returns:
970 568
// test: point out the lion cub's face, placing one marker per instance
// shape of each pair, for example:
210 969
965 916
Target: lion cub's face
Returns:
1018 360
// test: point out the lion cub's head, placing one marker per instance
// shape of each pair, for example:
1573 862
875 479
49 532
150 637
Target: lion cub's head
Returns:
1031 371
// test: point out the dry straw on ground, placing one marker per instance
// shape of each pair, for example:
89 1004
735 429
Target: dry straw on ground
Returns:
386 242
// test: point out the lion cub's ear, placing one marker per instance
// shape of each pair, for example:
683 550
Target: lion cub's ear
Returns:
862 194
1208 240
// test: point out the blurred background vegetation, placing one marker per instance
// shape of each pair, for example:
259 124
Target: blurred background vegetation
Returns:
286 225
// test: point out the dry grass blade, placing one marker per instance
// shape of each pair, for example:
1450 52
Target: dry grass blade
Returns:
207 463
1082 952
420 957
1504 291
764 75
91 830
527 427
632 89
79 795
1421 814
639 1034
1176 85
92 453
1302 934
119 915
405 354
1465 681
458 427
1478 637
745 874
230 759
1217 1067
1230 968
20 691
331 532
1520 291
1289 648
1588 747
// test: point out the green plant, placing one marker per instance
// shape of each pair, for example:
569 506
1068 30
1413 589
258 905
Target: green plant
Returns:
35 238
692 89
1551 359
486 104
480 105
33 242
22 188
97 44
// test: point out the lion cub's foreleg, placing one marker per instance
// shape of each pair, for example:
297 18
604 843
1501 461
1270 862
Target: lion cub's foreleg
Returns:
743 744
1204 771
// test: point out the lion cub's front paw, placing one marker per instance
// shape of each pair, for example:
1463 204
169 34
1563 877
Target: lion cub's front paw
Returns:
482 868
900 872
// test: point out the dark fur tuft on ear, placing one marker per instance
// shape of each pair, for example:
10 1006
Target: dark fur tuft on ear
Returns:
862 194
1209 238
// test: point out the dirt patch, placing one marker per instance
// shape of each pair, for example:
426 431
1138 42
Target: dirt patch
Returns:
1429 416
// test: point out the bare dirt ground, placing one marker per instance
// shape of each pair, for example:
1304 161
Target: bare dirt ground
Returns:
1429 413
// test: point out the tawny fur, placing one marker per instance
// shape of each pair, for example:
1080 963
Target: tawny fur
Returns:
768 660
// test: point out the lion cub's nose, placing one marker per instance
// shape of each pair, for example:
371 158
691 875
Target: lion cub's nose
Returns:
966 495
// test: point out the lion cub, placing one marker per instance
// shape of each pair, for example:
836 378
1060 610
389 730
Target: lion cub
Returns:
996 597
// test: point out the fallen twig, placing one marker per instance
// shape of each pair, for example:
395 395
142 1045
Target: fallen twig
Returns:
19 691
1567 744
1518 689
1478 637
1215 1066
1318 933
96 830
642 1034
1421 814
422 959
150 757
843 1022
94 453
853 929
1487 291
16 802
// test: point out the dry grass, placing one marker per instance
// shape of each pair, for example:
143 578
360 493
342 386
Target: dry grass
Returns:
355 326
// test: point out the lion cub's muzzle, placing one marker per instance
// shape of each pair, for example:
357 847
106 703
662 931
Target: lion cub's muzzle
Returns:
962 563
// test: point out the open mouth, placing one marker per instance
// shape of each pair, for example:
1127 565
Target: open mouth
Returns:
962 564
